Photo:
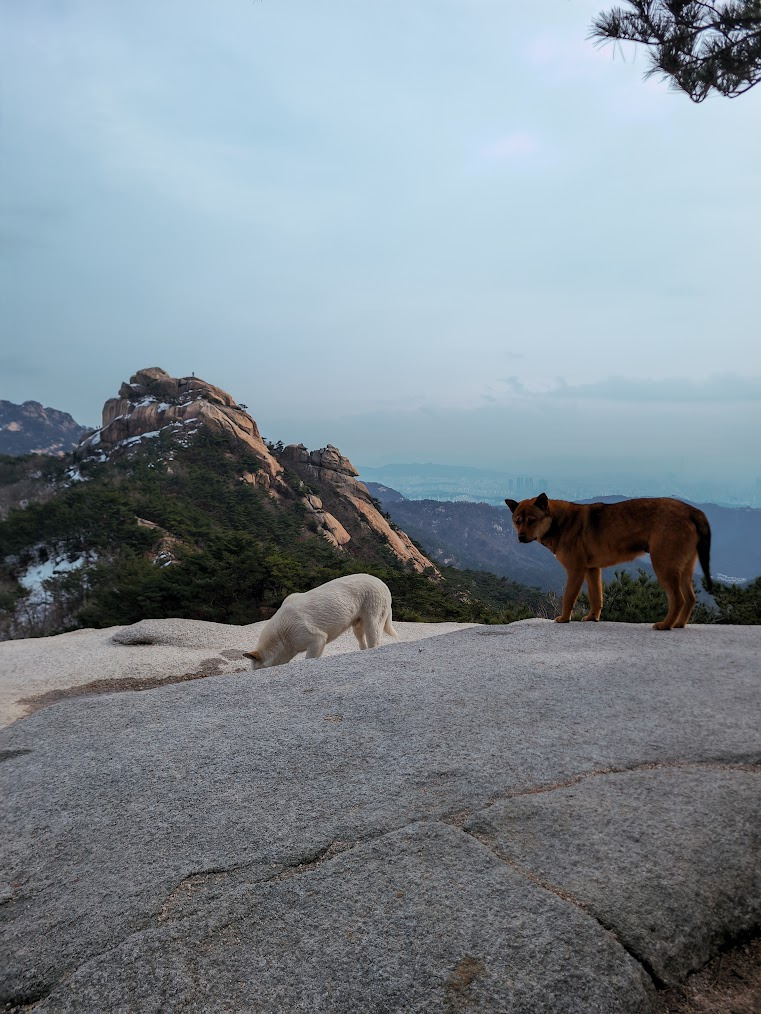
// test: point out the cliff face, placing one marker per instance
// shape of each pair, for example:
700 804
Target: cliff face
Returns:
31 429
344 495
339 508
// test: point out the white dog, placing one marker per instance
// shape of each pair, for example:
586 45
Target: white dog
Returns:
307 621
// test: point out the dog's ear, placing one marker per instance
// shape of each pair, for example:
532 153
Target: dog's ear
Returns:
541 502
253 654
512 504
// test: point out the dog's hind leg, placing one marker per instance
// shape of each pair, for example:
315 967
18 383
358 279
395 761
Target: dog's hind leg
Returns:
688 591
359 632
373 626
673 560
670 580
317 645
594 587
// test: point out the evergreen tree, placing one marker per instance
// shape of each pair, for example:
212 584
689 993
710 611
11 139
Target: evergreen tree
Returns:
697 46
738 603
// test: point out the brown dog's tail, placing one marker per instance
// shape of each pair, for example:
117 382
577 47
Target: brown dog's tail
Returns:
704 544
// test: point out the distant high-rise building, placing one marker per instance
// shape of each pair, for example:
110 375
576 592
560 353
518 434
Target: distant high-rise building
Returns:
522 487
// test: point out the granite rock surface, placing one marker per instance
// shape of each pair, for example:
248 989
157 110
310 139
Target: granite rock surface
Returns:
526 818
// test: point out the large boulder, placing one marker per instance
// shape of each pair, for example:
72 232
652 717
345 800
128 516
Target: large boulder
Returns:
534 818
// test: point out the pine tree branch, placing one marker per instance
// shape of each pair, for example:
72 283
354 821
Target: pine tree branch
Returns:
696 44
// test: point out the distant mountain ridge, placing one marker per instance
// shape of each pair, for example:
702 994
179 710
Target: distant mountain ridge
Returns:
30 428
479 536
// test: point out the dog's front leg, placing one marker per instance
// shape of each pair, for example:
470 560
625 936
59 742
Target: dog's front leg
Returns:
572 588
317 646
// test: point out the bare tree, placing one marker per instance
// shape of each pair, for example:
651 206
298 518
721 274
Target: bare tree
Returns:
697 46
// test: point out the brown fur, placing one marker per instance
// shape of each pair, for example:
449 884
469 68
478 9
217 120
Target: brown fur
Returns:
587 537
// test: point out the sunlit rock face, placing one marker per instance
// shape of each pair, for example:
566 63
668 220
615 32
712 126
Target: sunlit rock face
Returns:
153 403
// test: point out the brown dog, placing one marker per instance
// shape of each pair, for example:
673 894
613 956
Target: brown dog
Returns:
587 537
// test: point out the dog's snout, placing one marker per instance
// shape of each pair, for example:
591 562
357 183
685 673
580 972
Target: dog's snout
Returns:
522 538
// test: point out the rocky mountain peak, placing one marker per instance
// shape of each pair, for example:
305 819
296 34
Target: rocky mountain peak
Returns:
154 403
157 384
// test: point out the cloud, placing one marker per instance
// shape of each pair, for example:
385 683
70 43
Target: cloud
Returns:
720 388
725 388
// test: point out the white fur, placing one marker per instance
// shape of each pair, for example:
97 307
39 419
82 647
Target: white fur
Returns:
307 621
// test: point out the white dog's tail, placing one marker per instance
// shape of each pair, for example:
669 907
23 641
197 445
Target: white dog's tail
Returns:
388 627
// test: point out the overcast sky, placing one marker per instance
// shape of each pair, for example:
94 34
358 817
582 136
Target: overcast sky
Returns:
432 230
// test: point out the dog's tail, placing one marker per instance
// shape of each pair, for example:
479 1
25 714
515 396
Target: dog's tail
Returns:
388 627
704 544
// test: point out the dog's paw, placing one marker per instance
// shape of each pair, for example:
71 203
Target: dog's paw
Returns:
562 619
590 618
662 626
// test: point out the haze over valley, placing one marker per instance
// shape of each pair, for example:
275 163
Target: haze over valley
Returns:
559 479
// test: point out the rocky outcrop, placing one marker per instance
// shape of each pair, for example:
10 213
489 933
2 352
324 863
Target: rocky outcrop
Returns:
325 465
31 429
330 527
336 477
153 403
163 553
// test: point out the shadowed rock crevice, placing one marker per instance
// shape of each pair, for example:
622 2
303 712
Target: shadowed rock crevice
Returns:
210 667
489 843
750 764
642 851
729 984
10 754
662 973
